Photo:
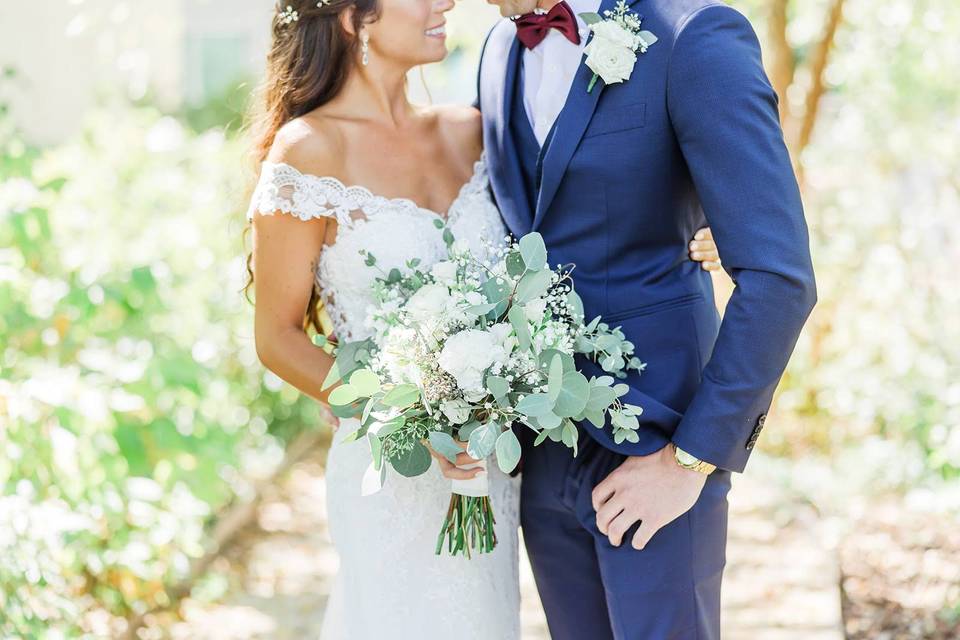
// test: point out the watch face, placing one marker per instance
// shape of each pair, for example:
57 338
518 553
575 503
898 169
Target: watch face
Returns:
686 459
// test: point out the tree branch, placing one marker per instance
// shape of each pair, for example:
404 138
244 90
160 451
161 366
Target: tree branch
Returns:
818 63
783 64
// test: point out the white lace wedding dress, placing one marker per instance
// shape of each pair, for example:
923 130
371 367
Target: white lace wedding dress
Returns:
391 585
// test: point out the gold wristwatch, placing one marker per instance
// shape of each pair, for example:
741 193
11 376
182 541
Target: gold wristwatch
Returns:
689 461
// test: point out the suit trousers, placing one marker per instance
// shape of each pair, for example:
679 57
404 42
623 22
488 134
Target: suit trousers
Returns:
592 590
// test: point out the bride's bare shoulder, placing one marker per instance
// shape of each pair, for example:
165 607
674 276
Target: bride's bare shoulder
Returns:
311 144
462 127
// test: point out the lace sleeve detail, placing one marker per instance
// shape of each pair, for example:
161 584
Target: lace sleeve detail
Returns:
285 189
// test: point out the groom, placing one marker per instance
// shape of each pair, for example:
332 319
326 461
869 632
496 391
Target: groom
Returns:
627 540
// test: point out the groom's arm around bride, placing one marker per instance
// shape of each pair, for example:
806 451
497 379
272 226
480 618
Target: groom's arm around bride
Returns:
725 119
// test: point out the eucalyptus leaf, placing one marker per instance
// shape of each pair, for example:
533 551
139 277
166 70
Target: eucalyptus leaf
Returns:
621 390
575 304
444 444
518 320
515 266
367 408
611 363
498 386
546 359
549 420
534 251
535 404
333 376
533 285
372 480
413 462
344 395
508 451
632 409
366 382
481 309
555 379
590 17
401 396
570 435
574 394
376 450
466 430
393 425
601 397
483 440
647 37
541 437
596 418
347 410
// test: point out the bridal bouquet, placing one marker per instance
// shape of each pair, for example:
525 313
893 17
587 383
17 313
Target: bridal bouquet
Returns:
462 352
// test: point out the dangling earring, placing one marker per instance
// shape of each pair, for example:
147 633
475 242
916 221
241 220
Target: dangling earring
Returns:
365 48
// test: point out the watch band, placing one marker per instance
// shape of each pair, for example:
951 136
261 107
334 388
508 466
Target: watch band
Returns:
689 461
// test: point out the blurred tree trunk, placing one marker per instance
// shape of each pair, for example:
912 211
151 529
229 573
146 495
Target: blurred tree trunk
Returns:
799 121
798 117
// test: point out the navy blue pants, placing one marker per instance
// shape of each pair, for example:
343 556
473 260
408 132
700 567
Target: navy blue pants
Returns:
592 590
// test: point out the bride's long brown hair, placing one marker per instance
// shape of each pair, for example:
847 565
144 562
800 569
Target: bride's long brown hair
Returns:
307 66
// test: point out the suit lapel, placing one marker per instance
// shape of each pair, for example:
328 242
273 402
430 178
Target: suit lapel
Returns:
570 127
505 163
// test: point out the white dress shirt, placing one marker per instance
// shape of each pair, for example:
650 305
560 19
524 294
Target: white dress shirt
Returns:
548 71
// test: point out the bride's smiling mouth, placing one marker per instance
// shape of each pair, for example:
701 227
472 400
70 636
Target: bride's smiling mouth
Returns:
440 31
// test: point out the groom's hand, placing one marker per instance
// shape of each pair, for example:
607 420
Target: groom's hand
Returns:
653 489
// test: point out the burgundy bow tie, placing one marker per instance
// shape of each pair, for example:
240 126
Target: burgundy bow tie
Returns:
532 28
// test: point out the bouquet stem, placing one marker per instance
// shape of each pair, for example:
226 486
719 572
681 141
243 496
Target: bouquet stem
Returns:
468 526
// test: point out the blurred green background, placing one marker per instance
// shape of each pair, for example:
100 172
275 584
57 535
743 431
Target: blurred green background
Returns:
136 422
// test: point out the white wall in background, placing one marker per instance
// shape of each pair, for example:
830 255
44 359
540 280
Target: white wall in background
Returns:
73 54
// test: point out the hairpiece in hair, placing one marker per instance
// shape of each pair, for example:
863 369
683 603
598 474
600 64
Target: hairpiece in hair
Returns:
324 3
288 15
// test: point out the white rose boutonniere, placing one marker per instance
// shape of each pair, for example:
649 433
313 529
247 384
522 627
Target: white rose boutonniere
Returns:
612 53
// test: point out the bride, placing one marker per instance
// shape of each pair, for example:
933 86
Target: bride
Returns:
359 170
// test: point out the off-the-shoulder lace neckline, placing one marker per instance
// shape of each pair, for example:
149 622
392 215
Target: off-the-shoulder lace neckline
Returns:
475 177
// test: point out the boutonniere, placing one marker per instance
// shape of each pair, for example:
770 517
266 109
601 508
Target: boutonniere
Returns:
617 37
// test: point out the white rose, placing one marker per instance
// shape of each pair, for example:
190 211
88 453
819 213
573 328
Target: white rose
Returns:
429 303
609 59
444 271
474 298
457 411
535 309
613 33
468 354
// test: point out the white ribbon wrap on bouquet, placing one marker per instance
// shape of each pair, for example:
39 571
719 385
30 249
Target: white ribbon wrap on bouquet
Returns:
476 487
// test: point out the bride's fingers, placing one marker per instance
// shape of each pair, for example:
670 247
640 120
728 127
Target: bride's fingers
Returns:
711 265
706 233
466 458
453 472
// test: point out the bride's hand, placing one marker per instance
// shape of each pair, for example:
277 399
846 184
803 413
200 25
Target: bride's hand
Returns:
452 471
704 250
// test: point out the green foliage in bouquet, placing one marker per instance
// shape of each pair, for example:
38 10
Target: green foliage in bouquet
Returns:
466 350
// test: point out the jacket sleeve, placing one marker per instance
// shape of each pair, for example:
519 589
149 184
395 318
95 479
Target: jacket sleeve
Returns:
724 113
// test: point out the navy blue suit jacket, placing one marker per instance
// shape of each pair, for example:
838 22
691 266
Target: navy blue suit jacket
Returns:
634 169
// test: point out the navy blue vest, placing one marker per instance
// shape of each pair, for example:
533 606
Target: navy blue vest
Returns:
528 149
